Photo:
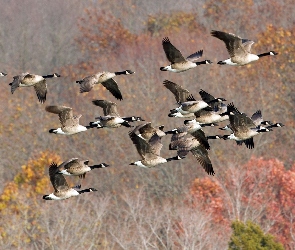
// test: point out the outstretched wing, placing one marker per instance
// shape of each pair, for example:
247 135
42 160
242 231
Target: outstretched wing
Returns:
65 114
172 54
201 137
112 86
58 181
15 83
109 108
41 90
257 117
247 44
181 94
194 57
201 154
206 97
143 147
232 42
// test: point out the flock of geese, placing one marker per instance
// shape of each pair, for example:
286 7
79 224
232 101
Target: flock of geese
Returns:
208 111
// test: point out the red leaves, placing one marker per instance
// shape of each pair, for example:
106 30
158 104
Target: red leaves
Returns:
261 190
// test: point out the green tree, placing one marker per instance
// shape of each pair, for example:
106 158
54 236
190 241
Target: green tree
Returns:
250 236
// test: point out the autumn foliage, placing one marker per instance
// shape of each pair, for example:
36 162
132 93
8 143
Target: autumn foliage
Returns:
261 191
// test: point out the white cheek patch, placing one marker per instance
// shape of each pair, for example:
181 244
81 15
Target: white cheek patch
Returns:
65 172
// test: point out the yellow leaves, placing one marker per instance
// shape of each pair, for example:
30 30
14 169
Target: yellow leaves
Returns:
42 184
9 193
29 182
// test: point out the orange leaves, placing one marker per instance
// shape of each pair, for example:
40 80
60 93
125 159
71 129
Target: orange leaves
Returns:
205 187
209 195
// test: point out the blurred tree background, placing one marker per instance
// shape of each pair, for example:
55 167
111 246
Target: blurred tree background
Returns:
174 206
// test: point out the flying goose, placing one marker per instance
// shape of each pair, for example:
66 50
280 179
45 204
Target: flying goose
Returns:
190 106
198 145
256 118
78 167
243 127
179 139
106 79
239 49
278 124
178 62
208 101
28 80
111 118
69 123
61 188
189 127
149 151
3 74
205 116
146 131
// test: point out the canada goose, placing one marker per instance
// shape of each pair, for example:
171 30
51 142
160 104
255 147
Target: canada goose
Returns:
278 124
180 93
106 79
189 127
28 80
61 188
244 129
146 131
3 74
178 62
198 145
239 49
78 167
198 137
149 151
256 118
69 123
205 116
111 118
190 106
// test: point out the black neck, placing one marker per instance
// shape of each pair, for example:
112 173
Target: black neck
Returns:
204 62
85 191
48 76
264 54
126 124
209 125
91 126
46 197
214 137
121 73
102 165
175 158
